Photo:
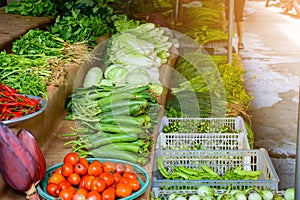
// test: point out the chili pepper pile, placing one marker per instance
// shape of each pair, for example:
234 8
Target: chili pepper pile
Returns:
15 105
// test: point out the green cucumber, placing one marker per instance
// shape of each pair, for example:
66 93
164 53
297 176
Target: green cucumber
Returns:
123 103
119 154
124 146
123 111
114 128
96 140
126 120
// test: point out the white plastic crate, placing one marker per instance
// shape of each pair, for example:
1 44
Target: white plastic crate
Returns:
195 125
220 162
202 141
203 134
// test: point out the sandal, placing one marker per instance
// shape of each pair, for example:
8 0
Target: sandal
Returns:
240 45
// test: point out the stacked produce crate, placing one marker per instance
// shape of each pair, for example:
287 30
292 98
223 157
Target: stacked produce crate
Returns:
214 152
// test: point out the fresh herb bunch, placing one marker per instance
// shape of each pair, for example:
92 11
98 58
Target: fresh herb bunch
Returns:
32 8
123 23
24 74
204 35
232 76
36 43
198 81
85 7
78 28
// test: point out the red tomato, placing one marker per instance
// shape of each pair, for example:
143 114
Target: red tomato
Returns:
66 169
124 180
117 177
81 183
72 158
88 182
53 189
74 179
123 190
66 194
78 197
65 184
98 184
135 184
113 186
80 169
84 161
109 167
96 162
93 195
82 191
128 168
58 170
56 178
108 194
71 188
130 175
120 168
95 169
108 177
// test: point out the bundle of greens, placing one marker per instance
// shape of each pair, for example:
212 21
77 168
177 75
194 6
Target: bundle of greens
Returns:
237 97
85 7
203 35
205 16
32 8
197 81
36 43
24 74
79 28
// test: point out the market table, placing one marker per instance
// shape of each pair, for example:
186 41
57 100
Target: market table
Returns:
50 126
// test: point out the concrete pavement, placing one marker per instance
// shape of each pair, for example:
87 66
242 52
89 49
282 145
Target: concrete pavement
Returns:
272 60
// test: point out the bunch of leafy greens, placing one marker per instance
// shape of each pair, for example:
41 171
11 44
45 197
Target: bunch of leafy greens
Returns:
237 97
26 75
149 6
203 35
36 43
78 28
198 84
123 23
100 8
32 8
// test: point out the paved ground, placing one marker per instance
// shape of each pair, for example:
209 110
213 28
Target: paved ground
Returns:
272 60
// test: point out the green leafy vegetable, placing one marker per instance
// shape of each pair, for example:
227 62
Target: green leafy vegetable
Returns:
79 28
24 74
38 43
32 8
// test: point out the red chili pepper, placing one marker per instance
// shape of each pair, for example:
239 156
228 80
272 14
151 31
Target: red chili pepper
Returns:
15 105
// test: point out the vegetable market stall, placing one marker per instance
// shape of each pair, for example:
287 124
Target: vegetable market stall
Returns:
53 131
49 133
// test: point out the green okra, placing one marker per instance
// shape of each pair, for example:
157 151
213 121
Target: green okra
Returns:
239 170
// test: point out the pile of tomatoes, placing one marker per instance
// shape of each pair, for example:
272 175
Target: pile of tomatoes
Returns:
78 179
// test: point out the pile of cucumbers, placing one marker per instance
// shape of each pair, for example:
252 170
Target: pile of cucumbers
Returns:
114 121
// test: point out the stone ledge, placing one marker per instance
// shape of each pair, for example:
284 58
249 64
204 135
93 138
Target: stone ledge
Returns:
13 26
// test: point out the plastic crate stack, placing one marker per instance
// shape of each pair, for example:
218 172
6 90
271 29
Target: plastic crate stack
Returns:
219 143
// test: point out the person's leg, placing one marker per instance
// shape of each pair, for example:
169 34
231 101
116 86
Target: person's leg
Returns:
238 11
240 29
